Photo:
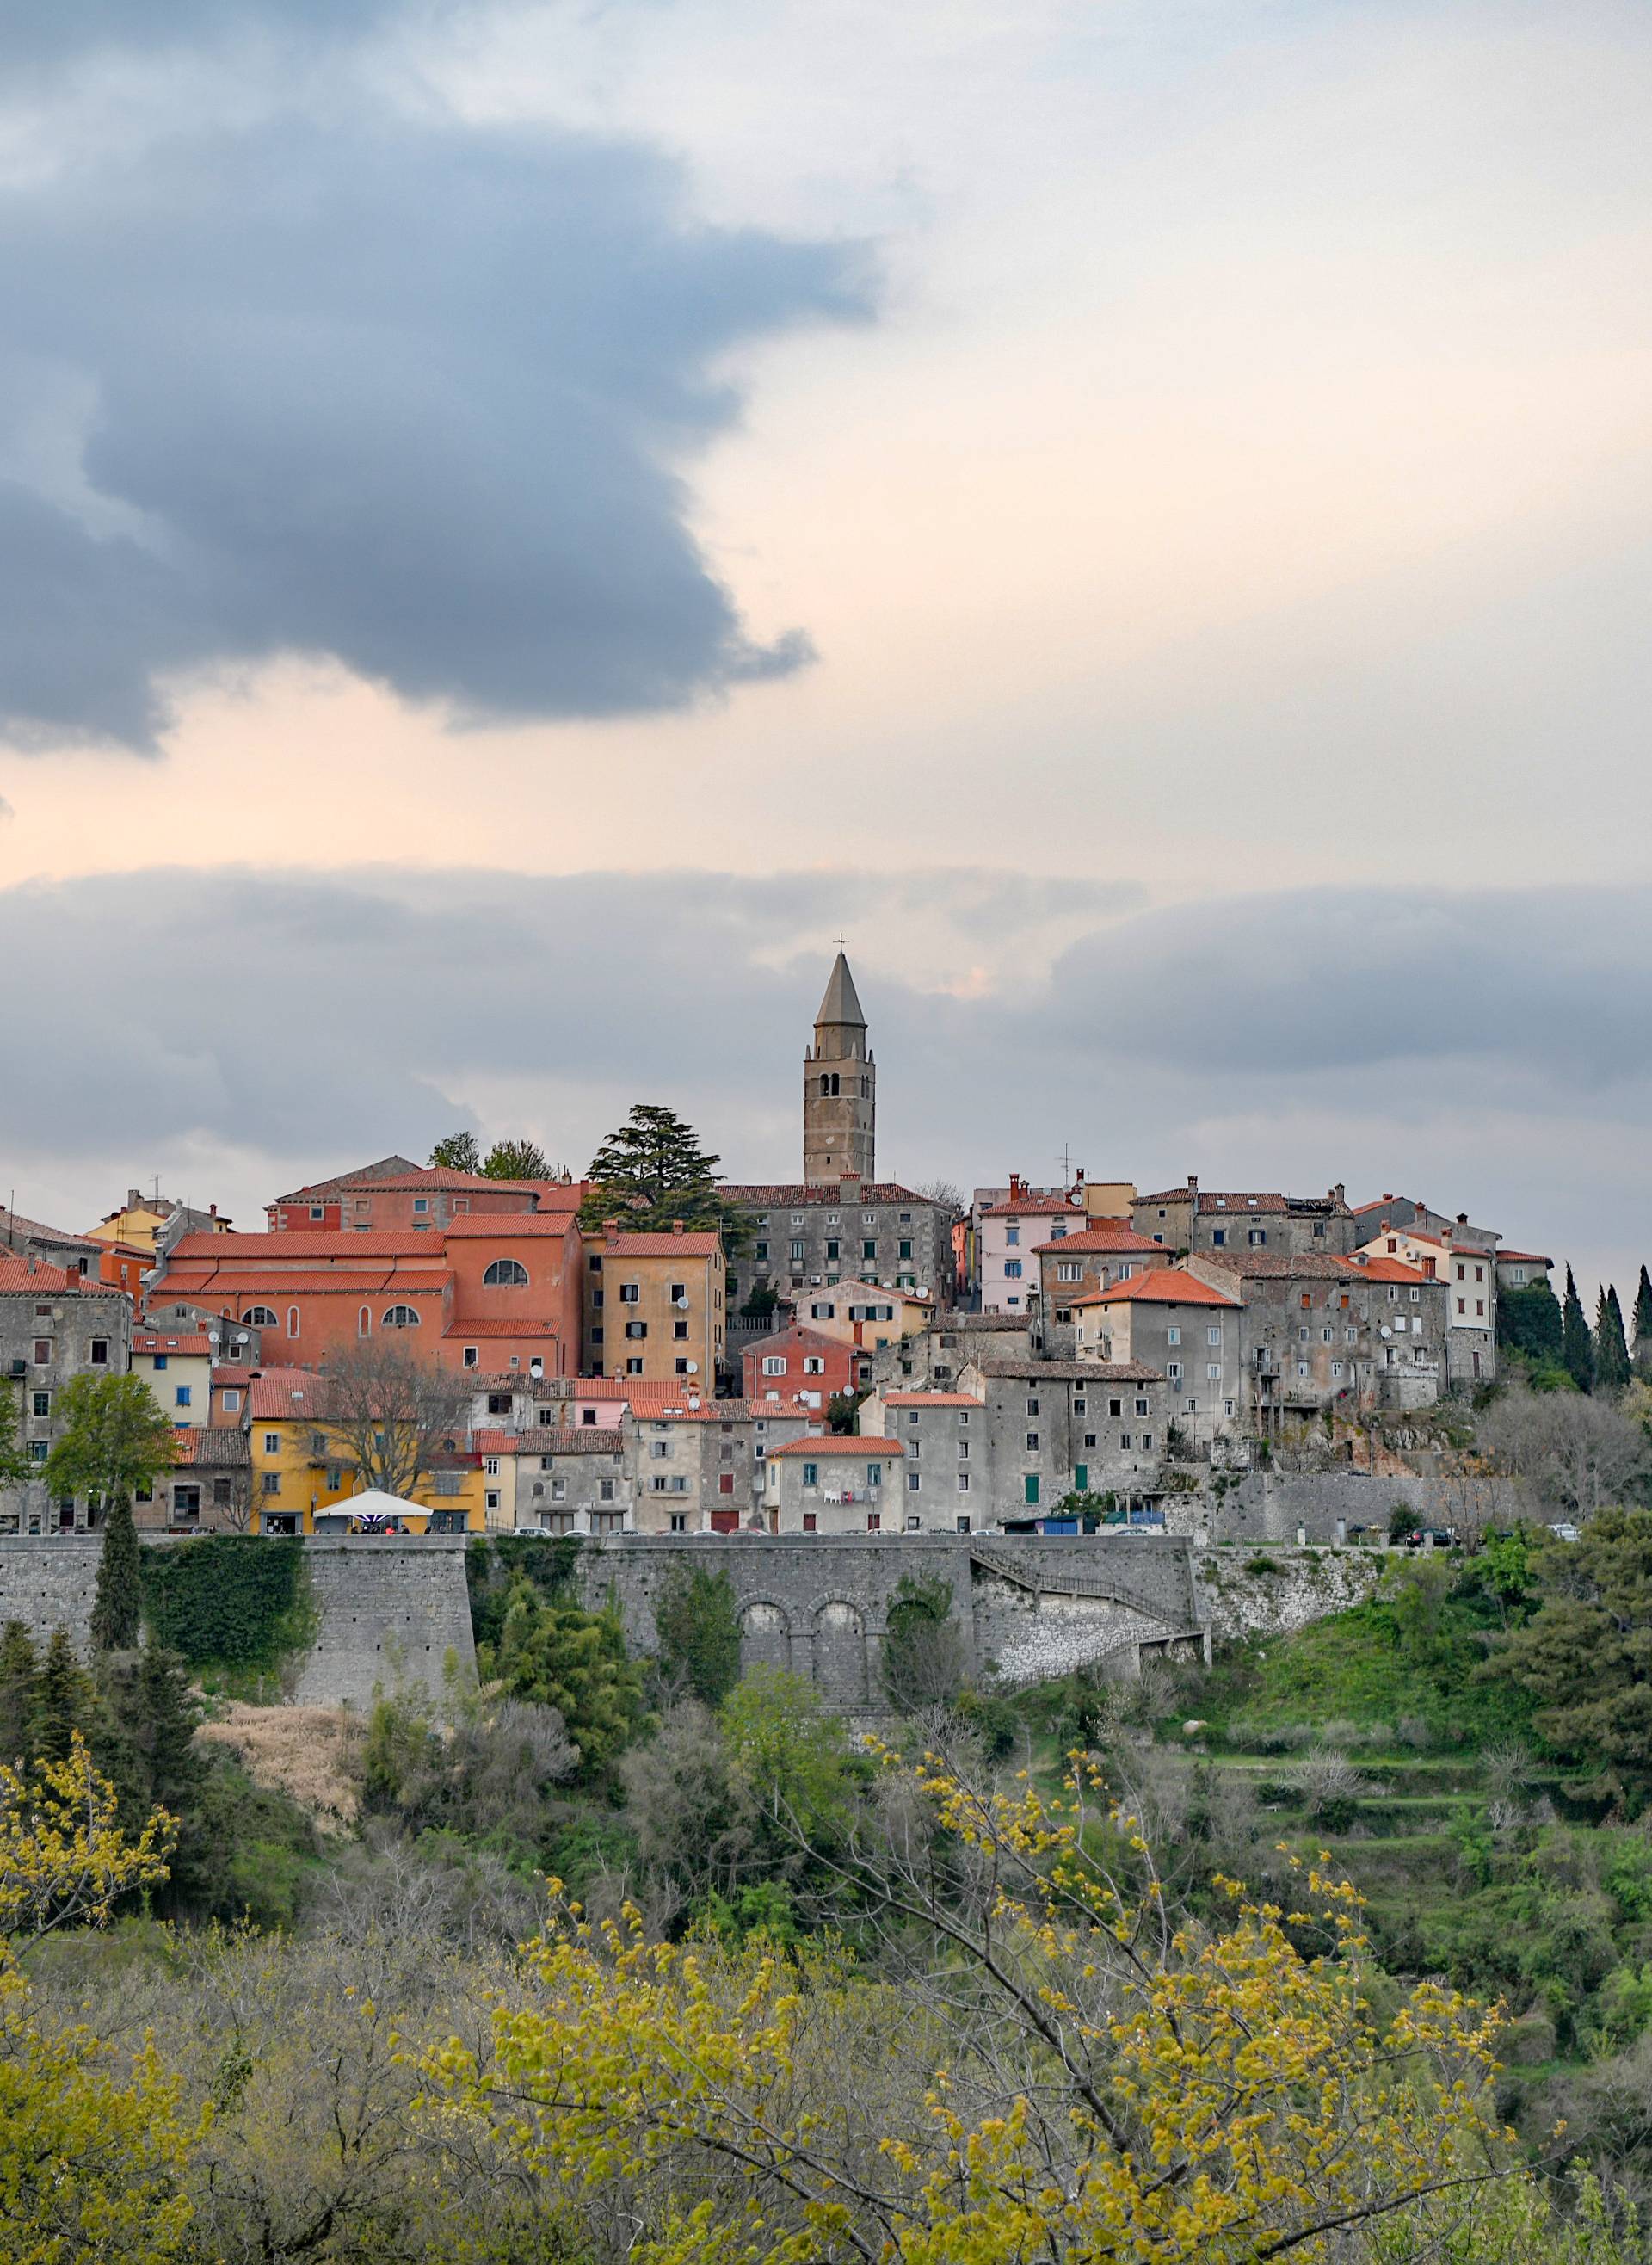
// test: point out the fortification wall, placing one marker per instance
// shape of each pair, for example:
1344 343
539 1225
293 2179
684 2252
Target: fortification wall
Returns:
818 1604
1270 1591
390 1607
1329 1506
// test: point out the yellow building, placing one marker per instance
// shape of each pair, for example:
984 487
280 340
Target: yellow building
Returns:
178 1370
138 1223
864 1314
654 1306
301 1484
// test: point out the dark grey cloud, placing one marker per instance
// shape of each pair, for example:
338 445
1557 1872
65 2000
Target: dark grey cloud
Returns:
414 395
1485 1050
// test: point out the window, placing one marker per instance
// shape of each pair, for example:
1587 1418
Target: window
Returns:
491 1466
1336 1368
1012 1236
914 1480
834 1250
40 1404
873 1521
636 1329
400 1317
1258 1235
1032 1405
762 1251
774 1363
1115 1407
963 1481
1173 1370
183 1395
491 1497
1141 1408
1461 1305
679 1329
42 1352
186 1502
605 1489
506 1274
292 1321
906 1250
1213 1372
39 1450
271 1443
1146 1438
810 1521
874 1474
681 1365
1012 1269
1069 1270
1030 1484
797 1251
271 1482
364 1321
811 1474
1218 1235
1032 1442
100 1352
1213 1333
634 1366
420 1202
161 1360
1089 1439
1124 1439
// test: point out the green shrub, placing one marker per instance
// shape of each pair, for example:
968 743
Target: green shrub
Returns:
235 1603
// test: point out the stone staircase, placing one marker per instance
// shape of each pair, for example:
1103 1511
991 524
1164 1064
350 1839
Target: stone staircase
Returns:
1043 1576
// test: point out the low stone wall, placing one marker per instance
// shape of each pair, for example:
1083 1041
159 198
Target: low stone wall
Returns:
1269 1592
1328 1506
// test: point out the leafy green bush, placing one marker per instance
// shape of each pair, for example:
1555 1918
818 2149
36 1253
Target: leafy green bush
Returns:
234 1603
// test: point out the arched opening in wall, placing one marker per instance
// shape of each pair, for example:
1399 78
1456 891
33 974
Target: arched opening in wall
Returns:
364 1322
765 1635
506 1274
840 1665
292 1321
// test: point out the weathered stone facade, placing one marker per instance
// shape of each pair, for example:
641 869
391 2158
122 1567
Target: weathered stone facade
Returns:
806 1238
54 1326
1194 1218
1054 1427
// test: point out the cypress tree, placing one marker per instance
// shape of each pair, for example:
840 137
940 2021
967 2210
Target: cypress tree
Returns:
64 1700
1577 1349
1611 1355
20 1694
1640 1336
163 1729
117 1608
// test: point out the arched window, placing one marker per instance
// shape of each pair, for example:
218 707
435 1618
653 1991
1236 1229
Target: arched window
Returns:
292 1321
364 1322
259 1317
507 1273
400 1317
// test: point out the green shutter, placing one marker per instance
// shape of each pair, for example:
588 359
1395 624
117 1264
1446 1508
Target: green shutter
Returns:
1032 1486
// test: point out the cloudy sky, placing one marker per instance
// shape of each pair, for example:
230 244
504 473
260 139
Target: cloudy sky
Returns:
518 521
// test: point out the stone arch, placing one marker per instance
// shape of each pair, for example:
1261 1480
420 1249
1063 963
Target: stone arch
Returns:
842 1668
765 1632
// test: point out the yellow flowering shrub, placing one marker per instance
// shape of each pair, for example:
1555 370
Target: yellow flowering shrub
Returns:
1073 2074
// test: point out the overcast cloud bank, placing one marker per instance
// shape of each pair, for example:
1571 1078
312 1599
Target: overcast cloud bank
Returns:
259 1027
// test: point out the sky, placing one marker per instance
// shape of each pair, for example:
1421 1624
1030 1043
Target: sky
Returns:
519 522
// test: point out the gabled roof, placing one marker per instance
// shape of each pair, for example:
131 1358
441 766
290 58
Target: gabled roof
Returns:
840 1003
836 1443
1393 1269
1030 1206
1115 1237
149 1340
347 1246
1069 1372
388 1167
46 1280
297 1394
1275 1265
695 1245
1524 1258
504 1226
801 1195
17 1233
1166 1286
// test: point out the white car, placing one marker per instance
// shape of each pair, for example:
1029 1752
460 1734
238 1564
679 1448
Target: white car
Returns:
1566 1531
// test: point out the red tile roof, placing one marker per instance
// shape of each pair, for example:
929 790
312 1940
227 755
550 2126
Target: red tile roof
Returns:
1166 1286
363 1176
149 1342
526 1328
836 1443
15 1230
757 1194
655 1246
34 1274
280 1283
337 1243
509 1225
1029 1207
296 1393
1109 1238
1391 1270
645 1395
1524 1257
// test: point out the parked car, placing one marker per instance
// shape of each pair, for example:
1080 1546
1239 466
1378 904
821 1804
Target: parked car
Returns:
1564 1529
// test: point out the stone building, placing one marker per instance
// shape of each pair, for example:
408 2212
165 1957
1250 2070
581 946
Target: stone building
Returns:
209 1487
31 1238
1320 1333
840 1089
808 1238
1072 1267
836 1484
932 1358
565 1479
947 1474
1187 1328
1468 1268
1059 1427
54 1326
1194 1218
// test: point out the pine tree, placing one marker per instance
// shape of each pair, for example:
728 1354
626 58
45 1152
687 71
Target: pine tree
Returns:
517 1160
19 1694
653 1171
1577 1349
1640 1336
458 1152
117 1611
1611 1355
65 1702
162 1724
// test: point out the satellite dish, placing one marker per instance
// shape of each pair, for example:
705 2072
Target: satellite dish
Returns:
1385 1331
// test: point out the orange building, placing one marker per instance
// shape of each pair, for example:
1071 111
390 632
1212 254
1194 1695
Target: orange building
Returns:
487 1291
394 1197
654 1305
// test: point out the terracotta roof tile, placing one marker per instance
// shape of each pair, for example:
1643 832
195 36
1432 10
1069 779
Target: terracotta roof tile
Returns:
1119 1238
872 1192
836 1443
1033 1206
297 1394
149 1340
507 1226
527 1327
281 1245
44 1281
1166 1286
695 1245
15 1229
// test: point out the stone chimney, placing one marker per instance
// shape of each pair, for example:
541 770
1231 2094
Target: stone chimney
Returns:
1015 1187
676 1227
1193 1184
134 1196
610 1232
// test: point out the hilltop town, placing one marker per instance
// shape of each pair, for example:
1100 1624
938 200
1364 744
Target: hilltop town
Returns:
654 1350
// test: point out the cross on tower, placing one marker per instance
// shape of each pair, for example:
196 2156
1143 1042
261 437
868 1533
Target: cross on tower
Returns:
842 941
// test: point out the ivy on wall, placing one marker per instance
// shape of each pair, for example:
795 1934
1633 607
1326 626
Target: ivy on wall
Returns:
492 1561
239 1602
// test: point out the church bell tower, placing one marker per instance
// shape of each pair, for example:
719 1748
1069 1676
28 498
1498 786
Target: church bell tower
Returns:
840 1088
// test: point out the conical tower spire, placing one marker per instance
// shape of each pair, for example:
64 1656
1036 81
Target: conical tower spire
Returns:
841 1006
839 1087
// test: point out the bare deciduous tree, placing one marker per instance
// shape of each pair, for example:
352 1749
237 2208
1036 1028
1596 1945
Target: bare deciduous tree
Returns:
1577 1452
389 1415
